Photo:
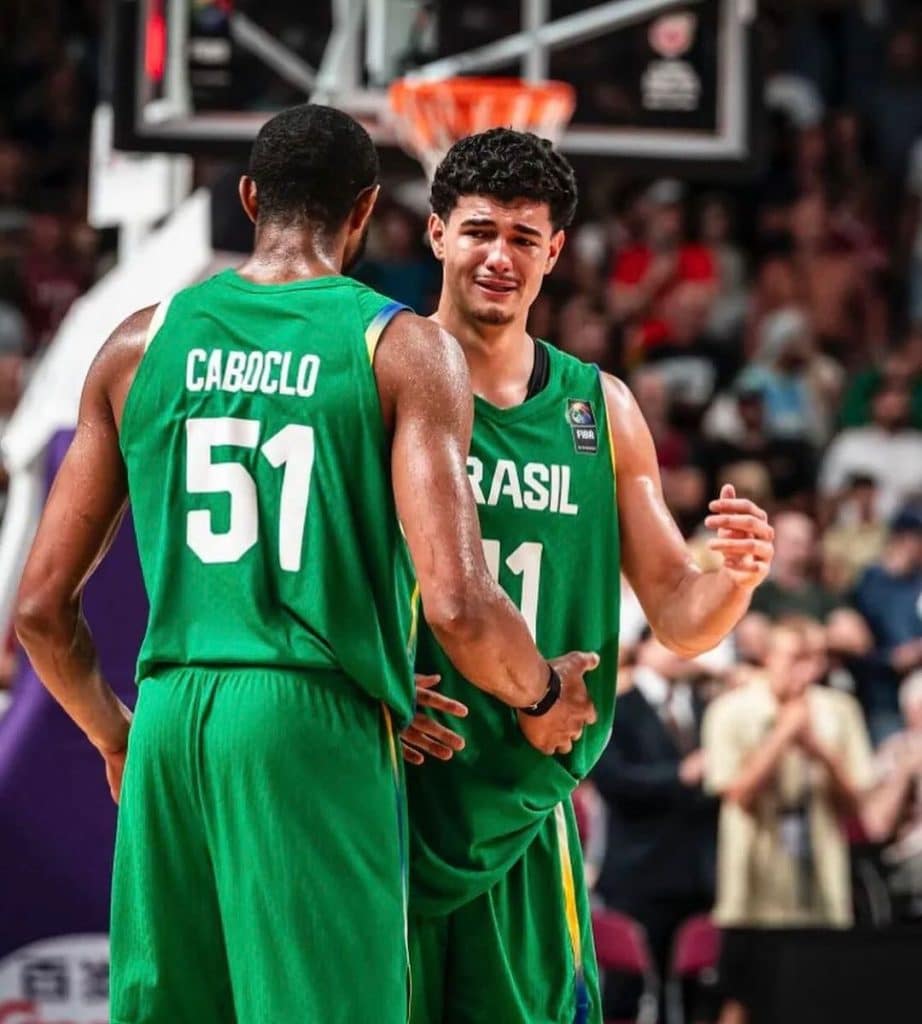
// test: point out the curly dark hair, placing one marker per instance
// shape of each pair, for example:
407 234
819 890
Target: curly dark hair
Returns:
506 165
311 162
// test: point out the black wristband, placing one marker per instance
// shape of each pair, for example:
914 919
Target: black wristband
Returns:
550 698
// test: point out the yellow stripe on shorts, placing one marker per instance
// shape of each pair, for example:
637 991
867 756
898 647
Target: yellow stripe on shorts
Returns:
395 766
569 887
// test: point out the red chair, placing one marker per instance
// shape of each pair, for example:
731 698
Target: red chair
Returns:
621 945
695 951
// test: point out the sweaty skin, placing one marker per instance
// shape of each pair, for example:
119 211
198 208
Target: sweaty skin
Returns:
426 401
495 256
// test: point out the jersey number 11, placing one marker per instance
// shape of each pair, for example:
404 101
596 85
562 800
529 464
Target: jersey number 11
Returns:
525 561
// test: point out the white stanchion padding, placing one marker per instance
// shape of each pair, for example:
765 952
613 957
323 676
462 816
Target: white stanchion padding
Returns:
171 258
24 500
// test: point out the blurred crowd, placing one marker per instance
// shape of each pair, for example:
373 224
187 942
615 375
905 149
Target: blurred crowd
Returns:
49 255
771 331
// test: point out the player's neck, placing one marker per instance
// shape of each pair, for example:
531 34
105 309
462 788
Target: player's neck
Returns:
281 255
500 357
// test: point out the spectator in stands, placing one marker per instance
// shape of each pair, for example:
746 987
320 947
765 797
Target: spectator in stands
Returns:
889 596
788 759
592 824
399 264
857 534
801 387
896 108
774 287
912 233
687 358
736 431
855 668
900 367
792 588
847 311
752 637
898 805
659 859
683 483
889 450
51 278
728 310
662 261
673 448
583 331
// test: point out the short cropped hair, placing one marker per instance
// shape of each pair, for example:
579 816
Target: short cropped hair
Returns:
310 163
506 165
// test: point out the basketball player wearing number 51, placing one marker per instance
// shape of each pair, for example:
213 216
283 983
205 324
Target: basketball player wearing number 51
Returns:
273 427
565 477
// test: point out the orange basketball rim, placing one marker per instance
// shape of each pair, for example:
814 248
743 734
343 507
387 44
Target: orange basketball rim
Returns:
431 116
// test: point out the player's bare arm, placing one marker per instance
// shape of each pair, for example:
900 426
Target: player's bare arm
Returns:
690 611
426 398
84 509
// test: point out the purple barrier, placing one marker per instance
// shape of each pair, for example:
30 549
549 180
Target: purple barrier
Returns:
57 820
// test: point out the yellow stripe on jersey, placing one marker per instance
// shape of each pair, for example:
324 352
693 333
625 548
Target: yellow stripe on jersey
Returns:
414 617
611 437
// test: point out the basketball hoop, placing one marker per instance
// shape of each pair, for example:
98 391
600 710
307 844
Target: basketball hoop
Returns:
432 115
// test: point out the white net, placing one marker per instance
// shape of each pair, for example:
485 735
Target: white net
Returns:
430 116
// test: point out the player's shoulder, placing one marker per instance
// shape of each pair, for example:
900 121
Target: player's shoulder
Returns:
118 358
422 340
130 337
624 416
618 396
418 354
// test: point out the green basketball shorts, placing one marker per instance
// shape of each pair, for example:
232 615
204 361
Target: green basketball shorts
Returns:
521 953
259 864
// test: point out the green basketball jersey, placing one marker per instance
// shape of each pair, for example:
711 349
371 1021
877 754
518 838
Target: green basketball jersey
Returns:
543 478
259 478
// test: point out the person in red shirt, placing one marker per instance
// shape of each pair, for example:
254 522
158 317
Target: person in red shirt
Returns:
646 273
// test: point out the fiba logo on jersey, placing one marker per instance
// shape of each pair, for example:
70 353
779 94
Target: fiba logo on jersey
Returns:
673 34
582 425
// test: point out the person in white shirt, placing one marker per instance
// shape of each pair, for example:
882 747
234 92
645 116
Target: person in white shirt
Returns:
887 449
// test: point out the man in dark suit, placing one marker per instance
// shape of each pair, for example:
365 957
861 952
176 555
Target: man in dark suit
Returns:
660 857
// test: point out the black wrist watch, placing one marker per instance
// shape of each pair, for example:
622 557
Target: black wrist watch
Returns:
550 698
